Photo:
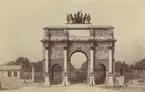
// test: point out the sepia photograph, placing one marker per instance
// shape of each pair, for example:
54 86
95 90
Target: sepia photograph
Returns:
72 46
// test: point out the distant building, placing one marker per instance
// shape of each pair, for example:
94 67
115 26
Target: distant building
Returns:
139 72
11 71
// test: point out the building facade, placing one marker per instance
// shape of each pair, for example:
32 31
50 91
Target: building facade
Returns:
10 71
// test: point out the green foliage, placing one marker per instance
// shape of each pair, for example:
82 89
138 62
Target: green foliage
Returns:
123 66
24 62
140 64
21 61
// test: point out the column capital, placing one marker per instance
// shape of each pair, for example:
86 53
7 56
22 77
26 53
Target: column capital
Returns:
110 47
113 60
48 47
65 47
113 44
92 47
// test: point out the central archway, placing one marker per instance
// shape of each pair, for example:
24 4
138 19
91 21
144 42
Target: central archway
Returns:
78 67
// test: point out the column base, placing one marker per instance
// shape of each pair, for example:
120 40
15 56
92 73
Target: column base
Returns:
65 80
110 80
47 82
91 79
106 80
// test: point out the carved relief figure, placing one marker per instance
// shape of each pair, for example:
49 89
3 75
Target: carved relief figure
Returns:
68 18
88 18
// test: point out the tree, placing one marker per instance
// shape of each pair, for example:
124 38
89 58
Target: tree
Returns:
140 64
71 67
131 67
38 66
11 63
125 67
118 66
24 62
122 66
84 66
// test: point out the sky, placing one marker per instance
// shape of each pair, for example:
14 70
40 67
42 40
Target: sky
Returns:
22 22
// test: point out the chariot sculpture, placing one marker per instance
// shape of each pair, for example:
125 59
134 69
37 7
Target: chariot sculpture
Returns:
78 18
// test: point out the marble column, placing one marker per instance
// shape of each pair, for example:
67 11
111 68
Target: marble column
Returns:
65 74
47 80
33 73
113 60
110 74
44 61
92 66
88 74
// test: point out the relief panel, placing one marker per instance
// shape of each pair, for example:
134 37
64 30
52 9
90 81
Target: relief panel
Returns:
103 34
57 32
56 53
102 52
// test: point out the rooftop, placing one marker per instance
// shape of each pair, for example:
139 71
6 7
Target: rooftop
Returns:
78 26
10 67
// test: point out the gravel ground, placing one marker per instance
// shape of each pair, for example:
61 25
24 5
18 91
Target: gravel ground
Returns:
75 88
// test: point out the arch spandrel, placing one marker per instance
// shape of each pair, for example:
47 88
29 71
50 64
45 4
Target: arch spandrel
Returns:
80 48
104 33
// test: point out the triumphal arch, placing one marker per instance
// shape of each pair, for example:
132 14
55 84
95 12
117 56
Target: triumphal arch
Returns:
59 43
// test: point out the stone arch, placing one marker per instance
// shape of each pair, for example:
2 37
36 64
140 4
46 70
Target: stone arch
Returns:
100 74
56 74
55 62
79 50
58 47
84 67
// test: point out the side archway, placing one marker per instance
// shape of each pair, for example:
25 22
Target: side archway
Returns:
100 74
56 74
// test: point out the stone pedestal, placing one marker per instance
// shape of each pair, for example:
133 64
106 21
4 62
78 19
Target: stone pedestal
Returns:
110 80
92 79
65 79
47 82
106 81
